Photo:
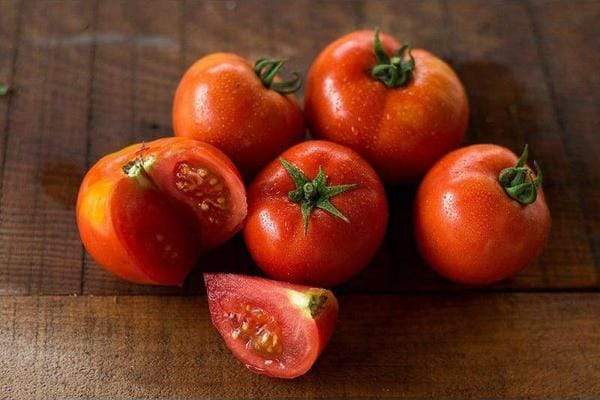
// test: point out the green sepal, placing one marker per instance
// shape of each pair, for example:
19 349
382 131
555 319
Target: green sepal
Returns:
519 183
395 71
315 193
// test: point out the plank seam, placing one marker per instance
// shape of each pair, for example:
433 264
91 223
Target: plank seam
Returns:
428 292
42 119
88 126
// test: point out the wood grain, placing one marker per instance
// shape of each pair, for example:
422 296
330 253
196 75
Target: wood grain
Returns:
40 251
569 41
493 346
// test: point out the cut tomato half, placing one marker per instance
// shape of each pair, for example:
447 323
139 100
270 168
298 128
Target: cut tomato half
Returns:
146 212
275 328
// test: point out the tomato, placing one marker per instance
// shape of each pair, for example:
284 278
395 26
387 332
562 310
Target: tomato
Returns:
243 110
480 215
275 328
400 110
146 212
316 215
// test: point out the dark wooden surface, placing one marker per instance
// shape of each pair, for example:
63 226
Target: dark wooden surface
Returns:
92 76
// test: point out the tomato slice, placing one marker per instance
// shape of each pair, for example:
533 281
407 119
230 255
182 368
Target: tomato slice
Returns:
275 328
159 235
202 177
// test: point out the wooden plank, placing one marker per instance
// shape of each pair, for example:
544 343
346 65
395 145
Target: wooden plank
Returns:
40 251
9 36
511 105
569 42
10 13
137 66
494 346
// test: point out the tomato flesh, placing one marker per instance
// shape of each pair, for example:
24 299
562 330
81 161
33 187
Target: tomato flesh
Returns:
205 190
256 329
160 236
274 328
202 178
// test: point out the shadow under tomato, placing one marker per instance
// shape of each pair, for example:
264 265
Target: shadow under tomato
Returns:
230 257
397 266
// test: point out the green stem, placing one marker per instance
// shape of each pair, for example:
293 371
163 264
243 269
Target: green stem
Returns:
395 71
519 182
138 169
266 69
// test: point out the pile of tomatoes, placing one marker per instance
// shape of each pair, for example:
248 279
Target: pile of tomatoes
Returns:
315 211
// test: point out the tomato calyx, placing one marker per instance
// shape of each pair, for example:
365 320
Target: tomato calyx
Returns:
138 169
315 193
519 182
312 301
394 71
266 69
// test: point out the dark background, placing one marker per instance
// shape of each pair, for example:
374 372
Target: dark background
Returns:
90 77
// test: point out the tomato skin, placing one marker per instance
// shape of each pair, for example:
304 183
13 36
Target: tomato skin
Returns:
221 101
401 131
303 335
119 217
467 228
331 251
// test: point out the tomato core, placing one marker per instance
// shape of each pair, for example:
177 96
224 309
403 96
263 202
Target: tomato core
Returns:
206 189
257 329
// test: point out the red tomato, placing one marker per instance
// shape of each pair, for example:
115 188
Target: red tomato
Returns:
401 111
480 215
145 212
225 101
316 216
275 328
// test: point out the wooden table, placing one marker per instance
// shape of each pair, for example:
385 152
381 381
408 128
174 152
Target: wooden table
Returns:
90 77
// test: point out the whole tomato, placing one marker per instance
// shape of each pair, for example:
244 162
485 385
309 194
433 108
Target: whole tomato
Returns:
316 215
401 109
145 212
480 214
243 110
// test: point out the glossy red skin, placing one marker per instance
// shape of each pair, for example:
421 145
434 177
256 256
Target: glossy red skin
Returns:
303 337
121 220
467 228
400 131
221 101
331 251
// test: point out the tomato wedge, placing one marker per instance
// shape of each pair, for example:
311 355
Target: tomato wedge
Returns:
146 212
275 328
